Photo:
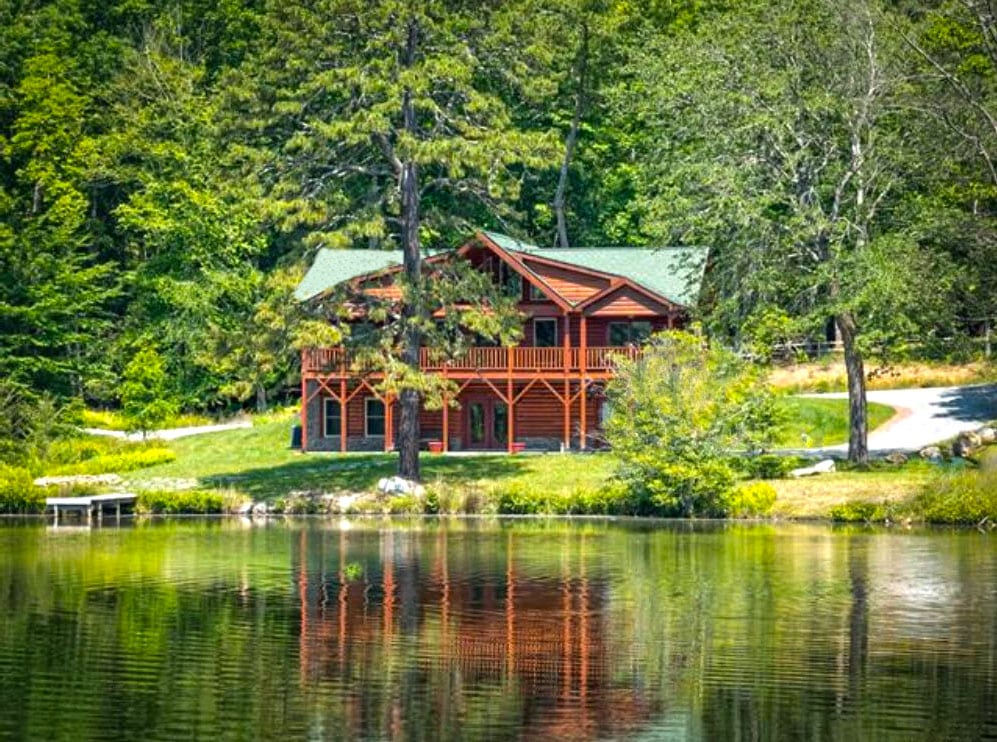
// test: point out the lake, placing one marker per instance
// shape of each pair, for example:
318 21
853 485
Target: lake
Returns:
495 629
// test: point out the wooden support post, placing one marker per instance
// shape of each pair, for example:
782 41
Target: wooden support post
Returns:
583 392
343 416
117 513
510 402
389 422
304 406
566 403
446 424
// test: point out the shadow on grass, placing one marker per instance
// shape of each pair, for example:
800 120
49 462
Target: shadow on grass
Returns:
358 473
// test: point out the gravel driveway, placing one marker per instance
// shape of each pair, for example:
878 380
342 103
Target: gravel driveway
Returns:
925 416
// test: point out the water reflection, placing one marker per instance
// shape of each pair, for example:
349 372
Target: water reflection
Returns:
470 622
488 629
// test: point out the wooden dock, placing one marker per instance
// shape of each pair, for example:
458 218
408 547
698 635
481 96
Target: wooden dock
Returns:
94 507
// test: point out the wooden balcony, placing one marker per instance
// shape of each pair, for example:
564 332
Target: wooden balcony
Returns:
493 362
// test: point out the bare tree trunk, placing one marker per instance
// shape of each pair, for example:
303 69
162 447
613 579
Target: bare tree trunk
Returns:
261 398
409 399
570 142
858 424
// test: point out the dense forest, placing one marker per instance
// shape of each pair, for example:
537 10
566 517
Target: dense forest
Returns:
167 169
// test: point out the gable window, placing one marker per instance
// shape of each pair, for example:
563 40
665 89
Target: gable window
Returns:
536 293
332 417
545 333
373 417
629 333
510 281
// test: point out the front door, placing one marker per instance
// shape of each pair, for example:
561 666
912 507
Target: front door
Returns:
487 423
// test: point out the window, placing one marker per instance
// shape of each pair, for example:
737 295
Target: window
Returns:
332 416
536 294
510 281
629 333
374 417
545 333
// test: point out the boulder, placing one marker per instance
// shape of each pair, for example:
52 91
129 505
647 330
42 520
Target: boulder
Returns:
896 458
246 508
821 467
966 444
400 486
988 435
933 453
261 508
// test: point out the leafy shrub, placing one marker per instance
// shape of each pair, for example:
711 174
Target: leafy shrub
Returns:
18 494
404 505
177 502
750 499
114 420
768 465
676 413
124 461
967 496
443 497
614 498
859 511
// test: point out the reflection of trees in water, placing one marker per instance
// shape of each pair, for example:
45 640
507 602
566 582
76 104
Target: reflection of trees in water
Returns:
568 630
478 628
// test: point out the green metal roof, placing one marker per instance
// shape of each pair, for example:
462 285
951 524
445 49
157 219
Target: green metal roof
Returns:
673 272
333 267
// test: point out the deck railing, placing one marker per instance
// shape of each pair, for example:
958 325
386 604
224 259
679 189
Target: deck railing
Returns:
494 360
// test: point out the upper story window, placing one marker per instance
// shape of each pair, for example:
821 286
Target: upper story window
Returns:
510 281
629 333
545 333
536 293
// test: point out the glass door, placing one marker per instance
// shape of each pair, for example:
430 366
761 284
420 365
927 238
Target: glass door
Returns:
476 424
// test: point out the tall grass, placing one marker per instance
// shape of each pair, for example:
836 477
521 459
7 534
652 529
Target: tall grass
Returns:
829 376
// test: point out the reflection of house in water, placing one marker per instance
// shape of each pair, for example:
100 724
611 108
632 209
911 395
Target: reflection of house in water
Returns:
453 627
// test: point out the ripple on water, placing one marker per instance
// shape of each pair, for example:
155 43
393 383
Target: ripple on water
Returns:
496 630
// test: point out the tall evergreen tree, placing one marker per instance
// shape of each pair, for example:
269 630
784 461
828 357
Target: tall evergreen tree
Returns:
385 124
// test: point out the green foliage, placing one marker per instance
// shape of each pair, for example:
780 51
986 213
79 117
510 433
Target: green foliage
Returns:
750 500
677 413
124 461
612 498
768 466
18 494
114 420
146 401
967 497
859 511
31 424
179 502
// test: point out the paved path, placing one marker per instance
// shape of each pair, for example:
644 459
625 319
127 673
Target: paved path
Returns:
169 434
925 416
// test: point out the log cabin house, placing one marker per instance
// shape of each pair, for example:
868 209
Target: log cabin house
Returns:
582 308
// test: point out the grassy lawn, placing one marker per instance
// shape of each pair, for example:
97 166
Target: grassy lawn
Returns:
258 462
824 422
813 497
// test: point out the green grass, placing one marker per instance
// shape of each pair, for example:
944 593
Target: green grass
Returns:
824 422
258 462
